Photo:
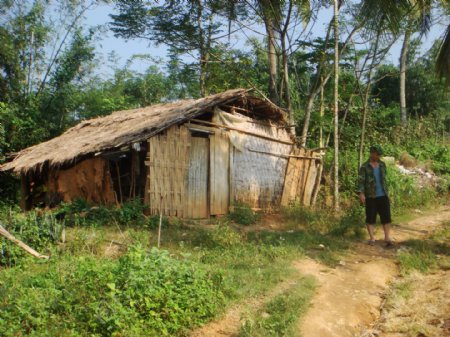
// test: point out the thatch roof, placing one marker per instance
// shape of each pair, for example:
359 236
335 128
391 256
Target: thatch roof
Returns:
126 127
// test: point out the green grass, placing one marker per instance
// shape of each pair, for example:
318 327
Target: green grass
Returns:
280 315
426 254
142 293
402 289
65 294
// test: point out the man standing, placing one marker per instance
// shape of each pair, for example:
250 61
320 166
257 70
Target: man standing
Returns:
373 193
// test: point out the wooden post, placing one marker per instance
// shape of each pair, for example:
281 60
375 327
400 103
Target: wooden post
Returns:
160 222
24 191
118 181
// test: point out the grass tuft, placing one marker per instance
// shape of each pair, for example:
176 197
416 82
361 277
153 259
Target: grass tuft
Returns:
280 315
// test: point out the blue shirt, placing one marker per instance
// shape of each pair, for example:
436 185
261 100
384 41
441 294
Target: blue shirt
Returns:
379 191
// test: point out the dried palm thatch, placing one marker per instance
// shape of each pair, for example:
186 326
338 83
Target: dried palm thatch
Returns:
125 127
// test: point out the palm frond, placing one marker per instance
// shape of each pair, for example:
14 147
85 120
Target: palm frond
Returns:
443 59
392 11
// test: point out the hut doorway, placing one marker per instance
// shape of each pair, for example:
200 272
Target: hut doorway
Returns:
219 176
197 205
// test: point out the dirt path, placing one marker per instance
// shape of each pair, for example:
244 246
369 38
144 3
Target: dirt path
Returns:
349 297
230 323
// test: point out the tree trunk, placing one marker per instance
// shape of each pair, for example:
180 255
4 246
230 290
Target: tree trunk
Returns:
336 107
309 108
317 86
366 100
322 113
403 65
30 65
314 92
203 56
273 63
287 86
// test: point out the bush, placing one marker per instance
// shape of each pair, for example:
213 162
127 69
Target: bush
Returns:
153 222
131 212
351 222
224 236
82 213
319 220
404 192
407 160
143 293
40 230
243 214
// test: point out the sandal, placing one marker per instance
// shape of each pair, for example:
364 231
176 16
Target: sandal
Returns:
389 244
371 242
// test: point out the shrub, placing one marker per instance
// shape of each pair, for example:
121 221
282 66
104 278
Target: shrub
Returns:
351 222
224 236
131 212
153 222
37 229
143 293
420 259
407 160
82 213
404 192
312 219
243 214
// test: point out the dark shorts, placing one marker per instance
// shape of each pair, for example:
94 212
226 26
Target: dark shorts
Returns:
378 205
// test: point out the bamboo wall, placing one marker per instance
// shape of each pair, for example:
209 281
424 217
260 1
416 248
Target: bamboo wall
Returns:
256 178
302 180
193 176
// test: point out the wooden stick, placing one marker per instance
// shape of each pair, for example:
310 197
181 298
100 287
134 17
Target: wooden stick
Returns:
235 107
284 155
241 130
318 149
28 249
317 185
118 180
160 222
250 120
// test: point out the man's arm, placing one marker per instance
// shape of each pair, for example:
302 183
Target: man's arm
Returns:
361 184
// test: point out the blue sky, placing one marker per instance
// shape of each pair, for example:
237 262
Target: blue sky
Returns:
126 49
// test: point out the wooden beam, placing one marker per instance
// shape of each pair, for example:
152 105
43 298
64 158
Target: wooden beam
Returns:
242 131
235 107
284 155
25 247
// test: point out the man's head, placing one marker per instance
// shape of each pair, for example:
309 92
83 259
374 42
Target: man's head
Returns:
375 152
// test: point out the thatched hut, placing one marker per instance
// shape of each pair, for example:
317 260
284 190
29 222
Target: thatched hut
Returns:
191 158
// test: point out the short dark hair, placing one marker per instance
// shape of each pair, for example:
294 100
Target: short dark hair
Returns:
376 148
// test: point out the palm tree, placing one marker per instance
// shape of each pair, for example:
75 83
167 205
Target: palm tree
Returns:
419 13
443 58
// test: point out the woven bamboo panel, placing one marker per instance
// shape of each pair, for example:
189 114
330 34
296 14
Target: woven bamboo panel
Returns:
168 162
301 178
219 173
196 203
